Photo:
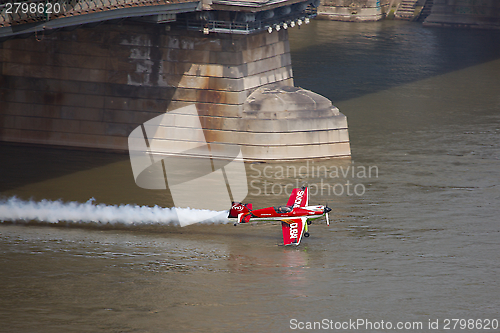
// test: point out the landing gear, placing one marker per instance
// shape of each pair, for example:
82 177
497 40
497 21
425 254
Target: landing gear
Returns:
309 222
306 234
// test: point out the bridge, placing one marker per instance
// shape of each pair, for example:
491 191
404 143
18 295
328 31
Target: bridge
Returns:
24 17
87 73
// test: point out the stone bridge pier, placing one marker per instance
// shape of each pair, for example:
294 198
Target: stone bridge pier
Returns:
92 86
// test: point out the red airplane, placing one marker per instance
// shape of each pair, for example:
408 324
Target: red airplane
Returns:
295 216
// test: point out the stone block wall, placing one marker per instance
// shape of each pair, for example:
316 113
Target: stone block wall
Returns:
465 13
91 87
352 10
284 123
73 87
219 71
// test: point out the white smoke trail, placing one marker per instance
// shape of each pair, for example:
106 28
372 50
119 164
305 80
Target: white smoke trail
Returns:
14 209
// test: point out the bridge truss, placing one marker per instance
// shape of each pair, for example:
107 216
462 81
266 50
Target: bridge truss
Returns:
21 18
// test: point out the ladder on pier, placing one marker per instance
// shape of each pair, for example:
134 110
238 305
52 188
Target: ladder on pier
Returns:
406 10
414 10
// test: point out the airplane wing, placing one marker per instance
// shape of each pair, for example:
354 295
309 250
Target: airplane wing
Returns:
299 197
293 229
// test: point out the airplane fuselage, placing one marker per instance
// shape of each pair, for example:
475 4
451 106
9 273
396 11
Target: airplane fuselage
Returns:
272 213
295 216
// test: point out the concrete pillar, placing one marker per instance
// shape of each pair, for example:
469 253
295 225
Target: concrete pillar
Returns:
91 87
352 10
219 71
88 87
465 13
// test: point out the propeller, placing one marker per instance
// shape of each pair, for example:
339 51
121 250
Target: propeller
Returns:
326 211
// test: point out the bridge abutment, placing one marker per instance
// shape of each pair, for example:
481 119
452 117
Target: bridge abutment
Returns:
483 14
91 87
352 11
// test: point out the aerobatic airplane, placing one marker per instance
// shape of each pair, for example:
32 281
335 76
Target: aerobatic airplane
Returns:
295 216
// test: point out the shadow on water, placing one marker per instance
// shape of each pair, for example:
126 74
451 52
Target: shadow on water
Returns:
371 57
52 173
26 164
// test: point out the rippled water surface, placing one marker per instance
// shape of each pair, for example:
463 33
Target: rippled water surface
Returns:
421 243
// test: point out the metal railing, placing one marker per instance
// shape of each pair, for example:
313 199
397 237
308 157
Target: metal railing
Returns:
235 27
224 26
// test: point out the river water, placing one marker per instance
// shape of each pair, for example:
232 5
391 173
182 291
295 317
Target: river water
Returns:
414 238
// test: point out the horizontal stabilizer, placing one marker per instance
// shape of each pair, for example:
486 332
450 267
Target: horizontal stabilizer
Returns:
239 208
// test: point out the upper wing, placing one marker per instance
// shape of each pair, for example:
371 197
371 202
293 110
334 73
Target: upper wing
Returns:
299 197
293 229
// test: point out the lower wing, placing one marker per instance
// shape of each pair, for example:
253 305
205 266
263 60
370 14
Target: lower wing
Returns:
293 229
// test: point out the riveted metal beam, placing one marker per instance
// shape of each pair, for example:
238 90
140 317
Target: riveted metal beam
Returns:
95 17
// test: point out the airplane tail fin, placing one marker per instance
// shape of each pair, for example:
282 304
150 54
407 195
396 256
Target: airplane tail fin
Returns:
299 197
238 208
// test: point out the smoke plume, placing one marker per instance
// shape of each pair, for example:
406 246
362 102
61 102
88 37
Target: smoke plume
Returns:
14 209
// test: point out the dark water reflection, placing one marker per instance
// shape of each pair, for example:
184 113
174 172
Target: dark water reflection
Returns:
420 244
356 60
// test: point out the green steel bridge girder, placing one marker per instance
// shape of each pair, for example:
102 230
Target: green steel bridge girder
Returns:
22 17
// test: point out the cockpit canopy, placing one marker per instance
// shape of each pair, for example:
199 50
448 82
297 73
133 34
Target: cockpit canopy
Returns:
283 209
